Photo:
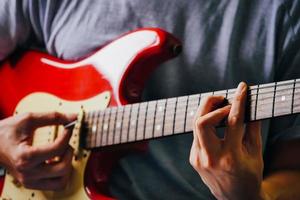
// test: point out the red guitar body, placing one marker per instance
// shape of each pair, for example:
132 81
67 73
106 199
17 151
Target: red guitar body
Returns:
138 53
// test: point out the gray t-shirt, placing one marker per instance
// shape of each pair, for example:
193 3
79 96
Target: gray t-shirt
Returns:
225 42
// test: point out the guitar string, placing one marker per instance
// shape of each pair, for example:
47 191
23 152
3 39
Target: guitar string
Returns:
232 91
161 134
220 93
279 106
180 118
264 99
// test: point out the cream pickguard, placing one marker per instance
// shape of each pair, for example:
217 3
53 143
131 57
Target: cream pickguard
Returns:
42 102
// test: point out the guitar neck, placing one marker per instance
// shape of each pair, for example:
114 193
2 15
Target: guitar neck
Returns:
172 116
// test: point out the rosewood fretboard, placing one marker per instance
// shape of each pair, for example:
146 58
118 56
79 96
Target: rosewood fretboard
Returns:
165 117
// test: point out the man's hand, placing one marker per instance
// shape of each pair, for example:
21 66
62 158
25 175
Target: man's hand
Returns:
28 163
231 167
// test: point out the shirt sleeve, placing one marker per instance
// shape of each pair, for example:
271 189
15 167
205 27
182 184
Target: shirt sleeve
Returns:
288 67
14 29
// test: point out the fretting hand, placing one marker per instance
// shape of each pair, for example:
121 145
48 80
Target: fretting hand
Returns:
232 167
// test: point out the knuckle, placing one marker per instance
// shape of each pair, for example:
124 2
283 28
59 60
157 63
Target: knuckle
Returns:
23 179
28 116
20 166
228 162
26 119
201 122
22 162
232 121
207 163
56 116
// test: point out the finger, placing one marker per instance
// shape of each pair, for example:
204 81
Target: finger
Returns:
54 184
36 120
252 138
204 129
194 158
206 105
209 103
39 154
235 130
53 170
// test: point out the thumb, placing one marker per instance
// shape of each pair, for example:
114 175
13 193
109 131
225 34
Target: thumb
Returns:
252 137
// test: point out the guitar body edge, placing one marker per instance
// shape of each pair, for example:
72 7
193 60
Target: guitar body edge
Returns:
112 76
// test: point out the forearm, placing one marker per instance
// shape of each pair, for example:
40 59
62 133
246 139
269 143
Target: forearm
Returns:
281 185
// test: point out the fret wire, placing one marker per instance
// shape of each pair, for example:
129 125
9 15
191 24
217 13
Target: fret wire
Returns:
128 124
164 117
108 126
153 128
137 121
122 120
293 95
101 128
175 112
274 96
255 113
145 121
186 107
114 128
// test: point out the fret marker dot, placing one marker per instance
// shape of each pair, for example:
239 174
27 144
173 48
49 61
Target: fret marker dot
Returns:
192 113
105 126
132 122
118 124
160 109
283 98
94 129
158 127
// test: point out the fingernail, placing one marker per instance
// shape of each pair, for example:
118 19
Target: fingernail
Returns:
241 87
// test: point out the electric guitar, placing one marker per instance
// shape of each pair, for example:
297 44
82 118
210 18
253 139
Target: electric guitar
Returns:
105 89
